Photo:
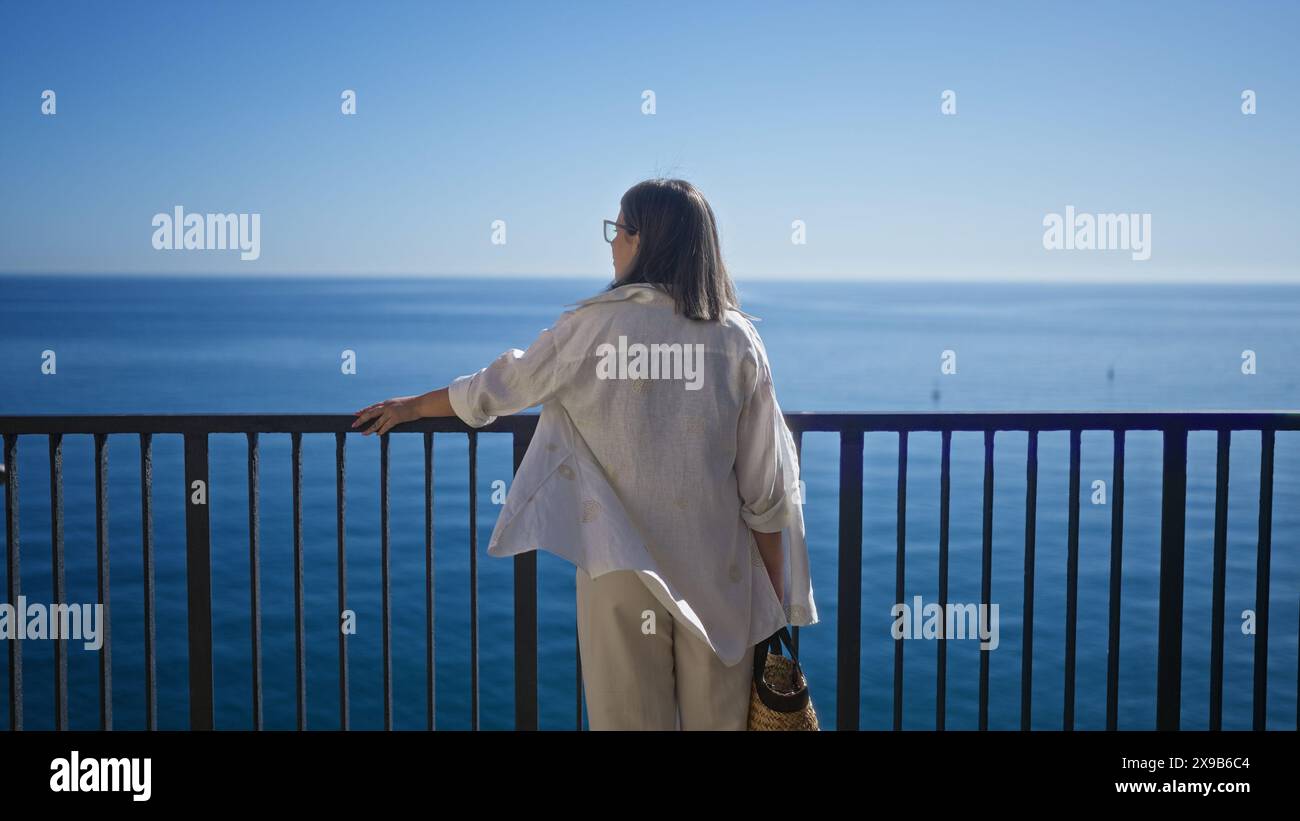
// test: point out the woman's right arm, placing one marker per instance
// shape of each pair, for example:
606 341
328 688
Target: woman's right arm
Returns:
513 381
434 403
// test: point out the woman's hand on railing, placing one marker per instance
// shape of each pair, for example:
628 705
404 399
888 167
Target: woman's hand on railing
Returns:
388 413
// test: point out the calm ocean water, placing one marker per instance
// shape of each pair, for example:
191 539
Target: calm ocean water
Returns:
187 345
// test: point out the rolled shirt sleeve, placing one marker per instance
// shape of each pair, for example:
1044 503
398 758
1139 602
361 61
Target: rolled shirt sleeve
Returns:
766 473
514 381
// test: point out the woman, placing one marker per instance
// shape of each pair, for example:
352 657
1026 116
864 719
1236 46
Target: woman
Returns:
661 467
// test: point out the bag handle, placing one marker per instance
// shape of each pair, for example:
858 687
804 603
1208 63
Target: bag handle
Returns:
773 645
780 702
783 635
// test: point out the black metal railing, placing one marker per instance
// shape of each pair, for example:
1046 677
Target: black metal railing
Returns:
851 427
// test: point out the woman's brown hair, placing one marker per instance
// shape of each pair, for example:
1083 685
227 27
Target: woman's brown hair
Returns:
678 248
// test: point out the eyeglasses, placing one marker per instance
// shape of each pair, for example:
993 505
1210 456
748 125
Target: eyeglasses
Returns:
611 230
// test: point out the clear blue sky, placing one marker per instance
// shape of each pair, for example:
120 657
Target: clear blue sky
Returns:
531 113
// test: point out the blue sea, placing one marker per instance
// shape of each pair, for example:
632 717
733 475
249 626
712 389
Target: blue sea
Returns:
275 345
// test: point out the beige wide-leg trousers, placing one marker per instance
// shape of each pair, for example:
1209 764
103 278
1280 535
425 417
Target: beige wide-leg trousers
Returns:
662 680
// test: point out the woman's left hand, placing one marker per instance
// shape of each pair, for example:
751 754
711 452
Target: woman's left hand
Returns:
390 412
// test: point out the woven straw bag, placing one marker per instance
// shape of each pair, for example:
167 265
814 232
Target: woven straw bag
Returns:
779 698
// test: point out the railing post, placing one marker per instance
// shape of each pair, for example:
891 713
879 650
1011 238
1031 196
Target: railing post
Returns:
1072 580
1173 514
58 577
1263 559
1116 578
1027 619
430 671
198 573
14 575
385 595
473 580
849 627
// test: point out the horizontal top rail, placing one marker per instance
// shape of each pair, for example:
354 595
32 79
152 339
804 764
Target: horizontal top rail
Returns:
866 421
886 421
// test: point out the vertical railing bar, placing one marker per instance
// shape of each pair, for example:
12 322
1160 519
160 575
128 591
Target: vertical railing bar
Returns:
1072 581
340 507
797 436
254 578
14 578
1031 530
986 579
525 620
1116 577
473 578
150 626
849 629
198 571
941 665
385 592
1173 521
102 583
430 676
1222 462
57 574
900 562
300 629
1262 561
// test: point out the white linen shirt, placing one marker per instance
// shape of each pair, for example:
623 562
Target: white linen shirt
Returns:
661 475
